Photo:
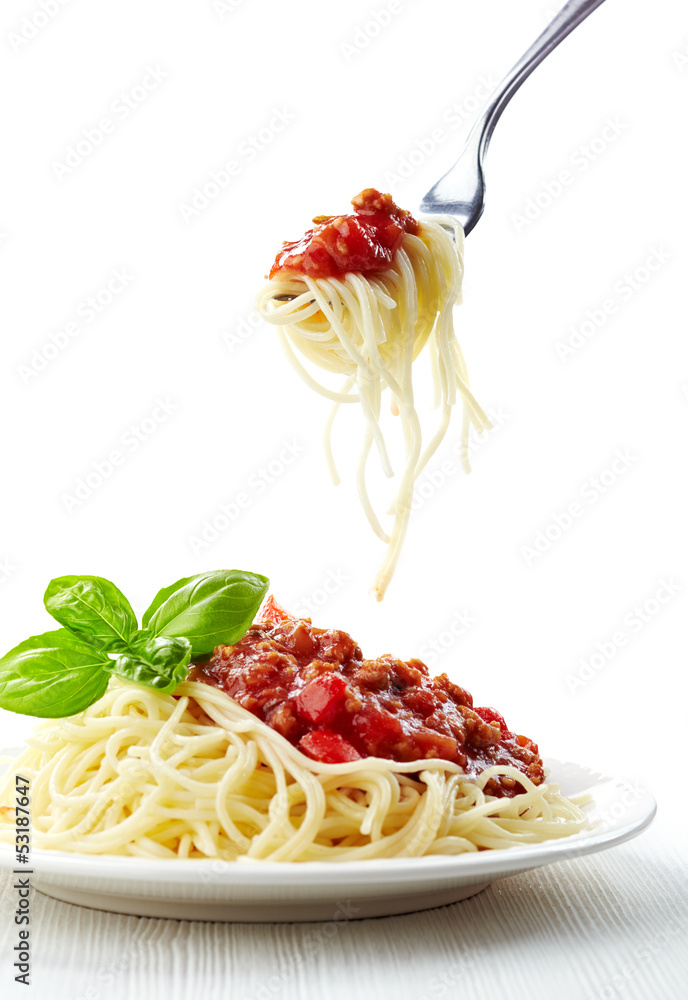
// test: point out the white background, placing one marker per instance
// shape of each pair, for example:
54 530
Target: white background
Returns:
540 265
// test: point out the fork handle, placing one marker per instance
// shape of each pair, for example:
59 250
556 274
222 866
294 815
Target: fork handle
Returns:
561 25
465 178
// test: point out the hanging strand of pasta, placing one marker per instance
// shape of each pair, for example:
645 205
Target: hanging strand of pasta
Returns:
327 433
371 330
411 429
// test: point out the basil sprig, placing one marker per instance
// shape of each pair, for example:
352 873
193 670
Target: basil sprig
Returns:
63 672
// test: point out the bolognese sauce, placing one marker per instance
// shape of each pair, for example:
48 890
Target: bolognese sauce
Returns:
314 686
364 241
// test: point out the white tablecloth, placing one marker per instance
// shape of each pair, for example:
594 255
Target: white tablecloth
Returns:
613 925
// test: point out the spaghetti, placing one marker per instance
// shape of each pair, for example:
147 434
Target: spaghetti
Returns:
195 775
369 326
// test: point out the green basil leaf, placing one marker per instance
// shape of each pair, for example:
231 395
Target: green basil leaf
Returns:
52 675
159 662
93 608
208 609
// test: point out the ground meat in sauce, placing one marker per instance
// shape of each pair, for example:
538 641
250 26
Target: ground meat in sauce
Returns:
364 241
314 687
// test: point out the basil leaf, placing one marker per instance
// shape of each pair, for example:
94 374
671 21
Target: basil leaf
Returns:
93 608
209 609
159 662
52 675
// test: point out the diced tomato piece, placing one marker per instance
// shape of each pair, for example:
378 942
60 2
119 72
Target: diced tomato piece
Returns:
432 744
376 728
274 612
321 699
490 715
328 747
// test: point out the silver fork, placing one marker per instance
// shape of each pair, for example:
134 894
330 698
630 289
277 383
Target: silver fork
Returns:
461 192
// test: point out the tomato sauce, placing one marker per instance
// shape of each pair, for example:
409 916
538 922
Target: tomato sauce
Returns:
314 687
364 241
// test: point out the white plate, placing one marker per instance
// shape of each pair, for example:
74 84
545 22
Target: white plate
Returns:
271 891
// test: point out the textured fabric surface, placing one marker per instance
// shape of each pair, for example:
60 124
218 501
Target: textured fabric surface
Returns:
611 925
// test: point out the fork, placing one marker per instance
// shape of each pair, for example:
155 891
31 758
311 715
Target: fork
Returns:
461 191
